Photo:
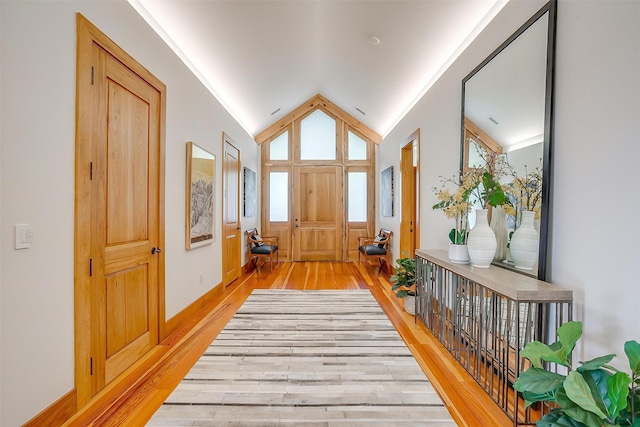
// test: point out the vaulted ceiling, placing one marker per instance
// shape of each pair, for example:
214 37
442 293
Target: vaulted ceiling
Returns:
373 59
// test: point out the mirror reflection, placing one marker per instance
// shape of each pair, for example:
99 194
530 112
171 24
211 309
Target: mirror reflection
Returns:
504 113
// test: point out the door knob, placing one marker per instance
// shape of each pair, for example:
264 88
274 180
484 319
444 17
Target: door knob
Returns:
155 250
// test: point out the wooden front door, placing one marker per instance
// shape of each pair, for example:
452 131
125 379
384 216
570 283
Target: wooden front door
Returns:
119 228
318 213
231 212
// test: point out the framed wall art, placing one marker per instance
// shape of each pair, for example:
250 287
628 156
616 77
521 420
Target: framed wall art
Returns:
386 191
249 194
200 206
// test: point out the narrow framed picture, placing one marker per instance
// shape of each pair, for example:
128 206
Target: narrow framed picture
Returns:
249 194
200 206
386 191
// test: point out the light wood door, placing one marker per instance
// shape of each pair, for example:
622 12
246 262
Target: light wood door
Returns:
409 167
124 219
119 205
318 213
231 216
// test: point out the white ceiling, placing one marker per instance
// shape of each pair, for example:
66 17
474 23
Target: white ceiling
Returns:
258 57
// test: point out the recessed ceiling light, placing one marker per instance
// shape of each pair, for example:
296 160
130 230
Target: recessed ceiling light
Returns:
375 41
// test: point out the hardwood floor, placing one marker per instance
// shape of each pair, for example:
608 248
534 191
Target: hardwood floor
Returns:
148 383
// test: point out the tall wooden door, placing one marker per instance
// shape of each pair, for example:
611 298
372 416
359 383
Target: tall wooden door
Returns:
409 167
231 212
119 226
318 213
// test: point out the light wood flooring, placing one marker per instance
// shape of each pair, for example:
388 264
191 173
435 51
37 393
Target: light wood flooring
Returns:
146 385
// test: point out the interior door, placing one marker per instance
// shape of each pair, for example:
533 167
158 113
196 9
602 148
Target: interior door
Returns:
318 213
231 208
125 224
408 220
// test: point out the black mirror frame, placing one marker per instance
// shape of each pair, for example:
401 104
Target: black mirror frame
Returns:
547 158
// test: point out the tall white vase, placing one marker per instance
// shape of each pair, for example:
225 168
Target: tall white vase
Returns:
525 243
482 241
499 227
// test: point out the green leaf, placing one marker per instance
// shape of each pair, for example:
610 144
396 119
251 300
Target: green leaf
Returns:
632 350
575 412
597 381
617 392
579 392
568 334
596 363
531 398
536 351
403 293
538 381
556 418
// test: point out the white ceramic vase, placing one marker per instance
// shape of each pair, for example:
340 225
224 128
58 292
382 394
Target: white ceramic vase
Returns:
482 241
410 304
458 254
499 227
525 243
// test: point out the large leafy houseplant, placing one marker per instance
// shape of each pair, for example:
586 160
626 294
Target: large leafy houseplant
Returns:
404 280
595 394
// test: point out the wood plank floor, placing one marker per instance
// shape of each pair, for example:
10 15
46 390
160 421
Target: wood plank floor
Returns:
465 399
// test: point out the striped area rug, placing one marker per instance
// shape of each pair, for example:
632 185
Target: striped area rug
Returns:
306 358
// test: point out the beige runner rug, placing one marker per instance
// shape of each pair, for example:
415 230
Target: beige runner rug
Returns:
306 358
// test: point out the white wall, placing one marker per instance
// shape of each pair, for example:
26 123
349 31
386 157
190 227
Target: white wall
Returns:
0 214
595 228
37 186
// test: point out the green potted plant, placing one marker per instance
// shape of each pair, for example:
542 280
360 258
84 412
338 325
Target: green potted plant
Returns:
594 394
403 282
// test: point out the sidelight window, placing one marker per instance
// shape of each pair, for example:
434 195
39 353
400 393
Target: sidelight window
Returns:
279 196
357 199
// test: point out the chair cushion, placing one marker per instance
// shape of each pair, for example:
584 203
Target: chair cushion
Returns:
264 249
257 240
380 241
372 250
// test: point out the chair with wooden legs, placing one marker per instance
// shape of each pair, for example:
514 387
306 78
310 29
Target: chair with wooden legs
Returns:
261 247
376 247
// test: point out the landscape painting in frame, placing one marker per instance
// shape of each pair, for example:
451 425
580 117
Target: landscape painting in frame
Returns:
386 191
201 166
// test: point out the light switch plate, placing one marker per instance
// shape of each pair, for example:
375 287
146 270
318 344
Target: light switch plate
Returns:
24 236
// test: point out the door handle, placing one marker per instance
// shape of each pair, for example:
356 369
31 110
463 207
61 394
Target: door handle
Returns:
155 250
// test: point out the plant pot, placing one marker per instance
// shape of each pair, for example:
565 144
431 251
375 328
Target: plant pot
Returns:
410 304
458 254
482 241
525 243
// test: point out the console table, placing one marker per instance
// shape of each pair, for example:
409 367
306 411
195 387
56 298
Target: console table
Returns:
485 316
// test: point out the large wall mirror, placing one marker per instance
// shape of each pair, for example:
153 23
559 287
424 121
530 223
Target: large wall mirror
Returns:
507 107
